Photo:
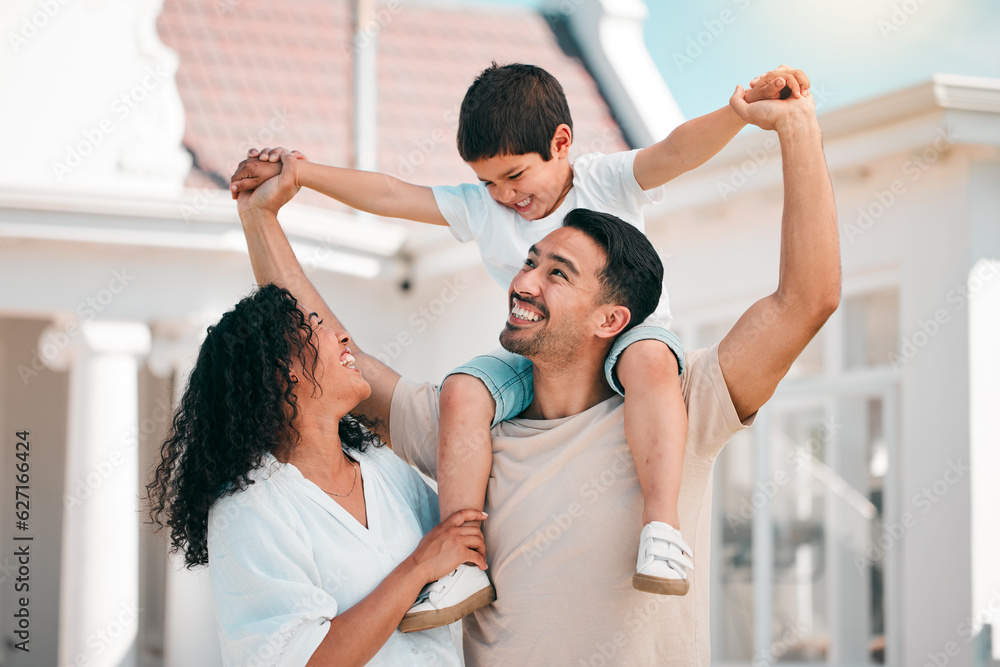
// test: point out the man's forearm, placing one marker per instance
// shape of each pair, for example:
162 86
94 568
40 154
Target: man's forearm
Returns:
809 275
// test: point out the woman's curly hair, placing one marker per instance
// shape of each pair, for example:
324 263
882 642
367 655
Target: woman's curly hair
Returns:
238 406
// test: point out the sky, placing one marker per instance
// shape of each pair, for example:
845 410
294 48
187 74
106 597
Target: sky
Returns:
853 49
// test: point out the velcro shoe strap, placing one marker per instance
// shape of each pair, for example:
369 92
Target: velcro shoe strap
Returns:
666 543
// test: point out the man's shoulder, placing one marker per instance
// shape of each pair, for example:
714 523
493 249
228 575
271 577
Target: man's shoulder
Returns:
413 424
712 417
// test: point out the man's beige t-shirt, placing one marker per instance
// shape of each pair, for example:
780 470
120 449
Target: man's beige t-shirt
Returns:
562 536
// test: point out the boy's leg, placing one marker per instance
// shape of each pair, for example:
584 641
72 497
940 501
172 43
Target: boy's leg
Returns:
474 396
465 453
655 426
645 366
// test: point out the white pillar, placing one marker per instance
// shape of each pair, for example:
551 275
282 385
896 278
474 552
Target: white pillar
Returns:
190 632
984 396
99 591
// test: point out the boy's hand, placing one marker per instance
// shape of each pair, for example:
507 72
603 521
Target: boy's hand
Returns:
270 195
770 114
257 168
770 85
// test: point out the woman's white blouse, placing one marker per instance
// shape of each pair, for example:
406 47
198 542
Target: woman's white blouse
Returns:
284 559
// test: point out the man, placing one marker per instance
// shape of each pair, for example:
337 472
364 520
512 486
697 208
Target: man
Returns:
563 494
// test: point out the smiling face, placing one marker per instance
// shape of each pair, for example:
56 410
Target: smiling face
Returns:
527 184
554 302
335 373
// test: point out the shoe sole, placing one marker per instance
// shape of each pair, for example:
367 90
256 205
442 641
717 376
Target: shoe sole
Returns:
659 585
425 620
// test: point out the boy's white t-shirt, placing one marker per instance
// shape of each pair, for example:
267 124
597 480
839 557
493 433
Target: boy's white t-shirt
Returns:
604 183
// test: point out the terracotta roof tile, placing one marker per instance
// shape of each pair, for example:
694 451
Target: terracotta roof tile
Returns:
280 73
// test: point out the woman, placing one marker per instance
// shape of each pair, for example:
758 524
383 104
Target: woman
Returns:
310 528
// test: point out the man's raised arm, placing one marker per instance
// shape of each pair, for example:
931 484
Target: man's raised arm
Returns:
274 262
761 347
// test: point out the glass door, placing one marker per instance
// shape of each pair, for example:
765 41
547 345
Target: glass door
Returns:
803 554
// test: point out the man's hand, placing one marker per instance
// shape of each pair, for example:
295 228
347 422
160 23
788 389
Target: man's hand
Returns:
258 168
273 193
771 114
770 85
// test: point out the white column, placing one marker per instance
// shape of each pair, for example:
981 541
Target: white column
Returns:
984 397
99 591
190 633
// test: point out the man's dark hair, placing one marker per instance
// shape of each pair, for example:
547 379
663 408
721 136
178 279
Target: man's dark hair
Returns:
633 274
511 110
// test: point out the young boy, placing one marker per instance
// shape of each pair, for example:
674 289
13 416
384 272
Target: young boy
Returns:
515 131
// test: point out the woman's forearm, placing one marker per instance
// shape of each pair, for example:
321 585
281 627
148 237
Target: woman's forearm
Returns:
358 633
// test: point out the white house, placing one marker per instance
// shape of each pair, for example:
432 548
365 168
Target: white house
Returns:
852 521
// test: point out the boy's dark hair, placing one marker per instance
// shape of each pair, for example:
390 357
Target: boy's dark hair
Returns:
511 110
633 273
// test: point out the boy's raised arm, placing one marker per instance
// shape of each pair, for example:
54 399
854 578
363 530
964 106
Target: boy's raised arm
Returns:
274 262
367 191
693 142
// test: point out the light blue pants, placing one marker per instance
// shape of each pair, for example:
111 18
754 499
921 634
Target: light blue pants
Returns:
508 375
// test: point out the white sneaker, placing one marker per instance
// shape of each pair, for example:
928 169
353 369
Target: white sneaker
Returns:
463 591
663 557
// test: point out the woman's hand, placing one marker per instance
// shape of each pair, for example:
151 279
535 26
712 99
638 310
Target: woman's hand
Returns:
275 192
449 544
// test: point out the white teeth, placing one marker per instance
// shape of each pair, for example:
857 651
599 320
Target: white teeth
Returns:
523 314
347 361
523 203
